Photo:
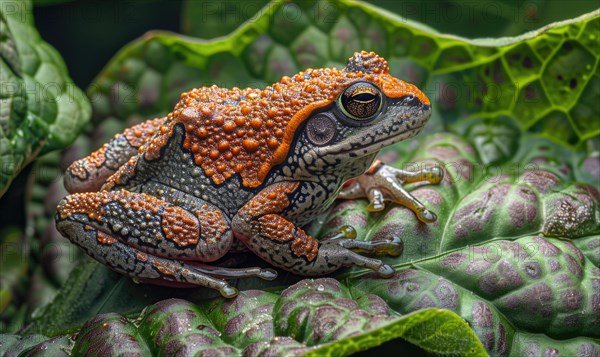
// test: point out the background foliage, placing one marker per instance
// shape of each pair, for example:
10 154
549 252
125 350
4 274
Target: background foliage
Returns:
515 253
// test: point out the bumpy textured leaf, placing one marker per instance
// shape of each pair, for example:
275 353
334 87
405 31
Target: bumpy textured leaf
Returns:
33 345
313 317
42 110
514 252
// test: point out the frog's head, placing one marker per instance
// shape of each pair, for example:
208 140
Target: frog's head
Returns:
371 109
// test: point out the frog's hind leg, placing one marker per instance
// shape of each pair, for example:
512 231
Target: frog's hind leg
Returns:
134 263
90 173
146 238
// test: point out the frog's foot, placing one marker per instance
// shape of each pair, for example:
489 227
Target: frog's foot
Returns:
276 239
384 183
342 252
90 173
335 249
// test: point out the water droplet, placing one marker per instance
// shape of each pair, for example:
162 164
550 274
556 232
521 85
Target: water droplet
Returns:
320 288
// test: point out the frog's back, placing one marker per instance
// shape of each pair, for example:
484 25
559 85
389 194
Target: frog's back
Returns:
221 145
248 131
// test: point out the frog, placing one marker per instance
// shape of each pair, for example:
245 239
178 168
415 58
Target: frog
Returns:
247 169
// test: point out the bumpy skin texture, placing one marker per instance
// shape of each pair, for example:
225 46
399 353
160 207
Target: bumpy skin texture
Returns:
246 164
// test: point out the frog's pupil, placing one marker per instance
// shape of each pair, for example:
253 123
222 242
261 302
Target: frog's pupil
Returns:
363 97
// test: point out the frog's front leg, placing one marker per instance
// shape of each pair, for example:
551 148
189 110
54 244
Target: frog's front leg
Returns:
149 239
382 182
90 173
277 240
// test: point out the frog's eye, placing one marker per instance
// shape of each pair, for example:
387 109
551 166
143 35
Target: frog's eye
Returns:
360 101
320 129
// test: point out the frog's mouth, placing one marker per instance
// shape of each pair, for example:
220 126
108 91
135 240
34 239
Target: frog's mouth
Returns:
378 144
396 126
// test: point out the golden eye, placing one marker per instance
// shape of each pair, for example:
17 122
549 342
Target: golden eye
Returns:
360 101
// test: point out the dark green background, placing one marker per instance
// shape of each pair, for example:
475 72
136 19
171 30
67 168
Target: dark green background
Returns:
108 25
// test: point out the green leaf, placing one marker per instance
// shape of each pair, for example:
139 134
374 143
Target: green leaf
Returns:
514 252
209 19
314 317
42 110
432 329
33 345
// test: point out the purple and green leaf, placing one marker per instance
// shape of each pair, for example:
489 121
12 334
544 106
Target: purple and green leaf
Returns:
515 252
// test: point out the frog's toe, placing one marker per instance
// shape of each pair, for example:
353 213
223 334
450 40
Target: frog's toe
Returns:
386 271
434 175
376 200
268 274
426 216
344 232
393 247
348 232
228 291
234 273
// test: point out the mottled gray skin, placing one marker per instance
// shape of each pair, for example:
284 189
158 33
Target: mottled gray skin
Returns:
311 177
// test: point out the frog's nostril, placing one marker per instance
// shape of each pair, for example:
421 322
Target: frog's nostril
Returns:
411 101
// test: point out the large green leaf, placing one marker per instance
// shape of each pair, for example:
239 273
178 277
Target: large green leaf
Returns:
42 110
515 251
314 317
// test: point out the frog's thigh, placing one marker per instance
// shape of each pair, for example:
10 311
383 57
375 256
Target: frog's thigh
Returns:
90 173
146 223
